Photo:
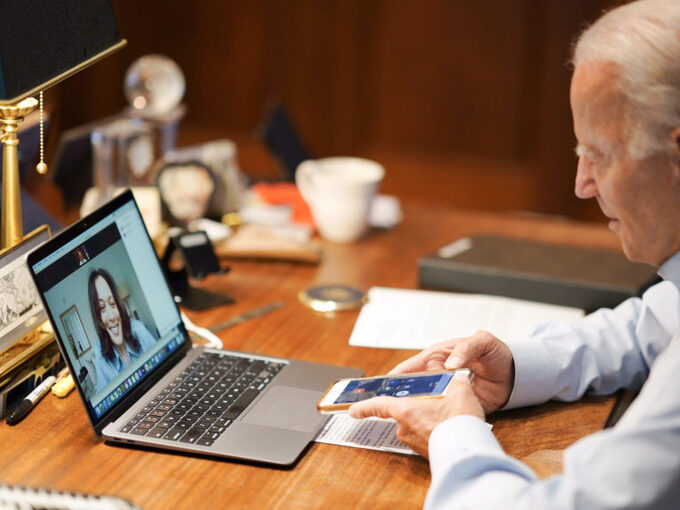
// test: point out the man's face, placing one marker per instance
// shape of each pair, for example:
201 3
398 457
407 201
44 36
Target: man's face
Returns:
641 197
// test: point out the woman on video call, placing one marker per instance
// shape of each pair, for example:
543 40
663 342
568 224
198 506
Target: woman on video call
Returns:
121 338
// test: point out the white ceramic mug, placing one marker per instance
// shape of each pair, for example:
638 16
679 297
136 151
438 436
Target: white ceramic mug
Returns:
339 192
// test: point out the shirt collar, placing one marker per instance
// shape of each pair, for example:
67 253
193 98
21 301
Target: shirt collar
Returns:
118 361
670 270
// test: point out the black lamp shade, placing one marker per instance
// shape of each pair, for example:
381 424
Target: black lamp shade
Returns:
41 40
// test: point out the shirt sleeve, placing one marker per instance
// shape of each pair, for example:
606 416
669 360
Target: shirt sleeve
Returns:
633 465
467 462
607 350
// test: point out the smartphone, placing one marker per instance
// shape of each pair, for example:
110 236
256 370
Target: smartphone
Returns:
345 392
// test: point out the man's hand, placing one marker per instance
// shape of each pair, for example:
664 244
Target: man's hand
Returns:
484 354
417 417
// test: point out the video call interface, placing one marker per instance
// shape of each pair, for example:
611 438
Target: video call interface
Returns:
99 290
393 387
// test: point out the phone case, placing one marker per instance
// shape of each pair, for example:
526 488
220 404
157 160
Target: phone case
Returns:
343 407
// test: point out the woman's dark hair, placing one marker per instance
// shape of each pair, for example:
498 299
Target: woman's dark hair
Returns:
102 332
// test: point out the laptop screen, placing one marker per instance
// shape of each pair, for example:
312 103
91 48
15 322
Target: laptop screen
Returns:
108 299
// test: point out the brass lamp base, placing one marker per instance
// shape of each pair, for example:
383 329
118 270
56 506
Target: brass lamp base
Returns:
10 116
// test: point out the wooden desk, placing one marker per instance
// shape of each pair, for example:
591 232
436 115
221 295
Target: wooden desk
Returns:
55 446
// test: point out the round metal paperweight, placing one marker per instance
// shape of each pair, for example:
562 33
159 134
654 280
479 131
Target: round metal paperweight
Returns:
330 298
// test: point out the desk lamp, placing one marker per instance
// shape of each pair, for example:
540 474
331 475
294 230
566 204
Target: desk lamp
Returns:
42 42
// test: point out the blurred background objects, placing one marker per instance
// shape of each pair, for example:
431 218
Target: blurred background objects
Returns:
465 103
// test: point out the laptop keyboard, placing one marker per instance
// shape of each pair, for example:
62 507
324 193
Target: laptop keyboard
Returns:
199 405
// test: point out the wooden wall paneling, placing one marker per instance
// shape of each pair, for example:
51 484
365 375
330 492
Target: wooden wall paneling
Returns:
453 82
445 75
552 140
447 118
555 141
317 54
226 66
303 74
354 39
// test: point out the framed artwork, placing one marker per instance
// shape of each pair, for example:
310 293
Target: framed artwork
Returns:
186 189
75 332
21 310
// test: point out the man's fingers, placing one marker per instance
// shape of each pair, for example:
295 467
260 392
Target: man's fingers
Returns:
459 386
417 363
461 377
460 393
431 358
468 349
409 365
380 407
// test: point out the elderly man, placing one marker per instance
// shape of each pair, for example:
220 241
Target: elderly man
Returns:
625 99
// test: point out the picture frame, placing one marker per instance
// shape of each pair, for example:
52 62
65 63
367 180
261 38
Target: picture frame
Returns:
21 310
187 189
75 332
220 156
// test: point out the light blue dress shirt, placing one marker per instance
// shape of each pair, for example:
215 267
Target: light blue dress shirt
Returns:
107 370
635 464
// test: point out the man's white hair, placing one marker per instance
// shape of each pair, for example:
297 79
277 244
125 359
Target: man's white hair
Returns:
643 38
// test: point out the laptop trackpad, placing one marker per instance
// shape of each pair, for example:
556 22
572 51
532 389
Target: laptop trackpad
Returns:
287 408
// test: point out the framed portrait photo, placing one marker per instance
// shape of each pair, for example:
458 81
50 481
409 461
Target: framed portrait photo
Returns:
21 310
186 189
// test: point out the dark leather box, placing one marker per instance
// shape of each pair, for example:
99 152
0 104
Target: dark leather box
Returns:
538 271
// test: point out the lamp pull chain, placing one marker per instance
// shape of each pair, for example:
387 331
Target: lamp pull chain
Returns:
42 166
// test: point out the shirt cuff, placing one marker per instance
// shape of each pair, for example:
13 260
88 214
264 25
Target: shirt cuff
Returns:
459 437
534 368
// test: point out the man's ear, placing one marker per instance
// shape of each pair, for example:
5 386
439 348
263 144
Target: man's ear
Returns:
675 140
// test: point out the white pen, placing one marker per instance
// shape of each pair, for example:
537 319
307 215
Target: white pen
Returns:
25 406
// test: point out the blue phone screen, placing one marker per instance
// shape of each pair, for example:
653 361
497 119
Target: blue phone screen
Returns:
394 387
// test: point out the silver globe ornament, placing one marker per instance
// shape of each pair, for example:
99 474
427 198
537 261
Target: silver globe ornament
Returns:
154 85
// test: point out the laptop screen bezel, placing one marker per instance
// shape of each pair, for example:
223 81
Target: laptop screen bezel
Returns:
153 377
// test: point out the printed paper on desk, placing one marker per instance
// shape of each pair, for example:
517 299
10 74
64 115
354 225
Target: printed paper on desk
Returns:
370 433
415 319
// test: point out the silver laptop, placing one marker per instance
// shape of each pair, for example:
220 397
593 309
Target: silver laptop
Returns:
142 383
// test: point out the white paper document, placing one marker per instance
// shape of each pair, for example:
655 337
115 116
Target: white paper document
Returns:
415 319
370 433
